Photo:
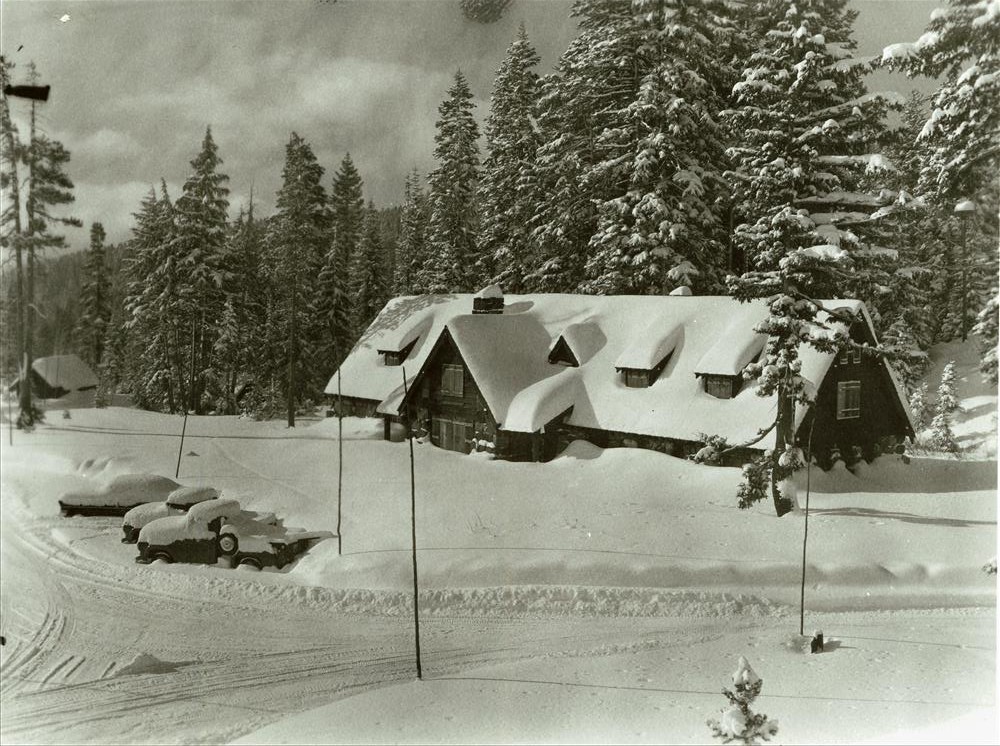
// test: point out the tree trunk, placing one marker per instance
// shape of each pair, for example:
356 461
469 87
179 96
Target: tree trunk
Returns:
782 440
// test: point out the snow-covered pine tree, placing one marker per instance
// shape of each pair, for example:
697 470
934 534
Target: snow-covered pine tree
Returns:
484 11
333 304
153 371
738 722
959 154
595 80
942 436
198 244
91 328
506 204
411 250
920 407
802 122
297 237
986 330
368 285
664 225
454 214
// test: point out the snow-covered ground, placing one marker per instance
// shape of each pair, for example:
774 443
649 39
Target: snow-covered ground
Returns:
603 597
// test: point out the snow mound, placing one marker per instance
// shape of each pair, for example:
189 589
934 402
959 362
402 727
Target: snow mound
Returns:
144 663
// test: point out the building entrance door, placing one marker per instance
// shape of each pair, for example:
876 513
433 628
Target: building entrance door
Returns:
451 435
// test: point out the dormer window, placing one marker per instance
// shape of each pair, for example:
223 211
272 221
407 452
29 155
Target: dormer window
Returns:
562 355
396 357
723 387
642 378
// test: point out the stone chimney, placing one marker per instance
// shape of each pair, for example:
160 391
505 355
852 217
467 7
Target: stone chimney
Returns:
488 300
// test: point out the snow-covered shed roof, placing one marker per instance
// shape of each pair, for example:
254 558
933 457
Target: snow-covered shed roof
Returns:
507 355
65 371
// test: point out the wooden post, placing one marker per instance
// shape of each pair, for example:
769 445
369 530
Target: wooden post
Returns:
413 533
180 450
805 534
340 459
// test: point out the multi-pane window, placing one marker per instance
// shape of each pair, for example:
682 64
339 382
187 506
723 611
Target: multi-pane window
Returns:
452 380
850 356
721 387
636 379
848 400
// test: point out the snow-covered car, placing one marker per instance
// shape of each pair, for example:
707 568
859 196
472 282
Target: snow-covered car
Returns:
179 501
221 528
118 496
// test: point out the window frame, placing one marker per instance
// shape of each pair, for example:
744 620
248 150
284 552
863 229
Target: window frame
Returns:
717 382
636 378
849 393
449 373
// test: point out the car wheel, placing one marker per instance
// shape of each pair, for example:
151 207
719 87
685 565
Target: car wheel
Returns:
163 556
249 563
228 545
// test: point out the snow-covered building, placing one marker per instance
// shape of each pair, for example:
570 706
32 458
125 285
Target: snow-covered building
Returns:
56 376
526 374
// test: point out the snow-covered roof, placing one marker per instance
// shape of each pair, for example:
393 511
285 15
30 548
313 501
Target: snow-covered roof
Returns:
647 349
65 371
735 348
583 338
507 355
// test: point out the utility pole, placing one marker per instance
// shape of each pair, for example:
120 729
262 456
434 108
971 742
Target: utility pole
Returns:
413 532
340 460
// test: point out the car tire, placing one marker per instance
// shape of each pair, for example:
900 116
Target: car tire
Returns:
250 563
228 545
163 556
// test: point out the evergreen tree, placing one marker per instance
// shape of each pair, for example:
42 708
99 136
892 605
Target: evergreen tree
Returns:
664 225
986 330
297 237
506 204
200 232
333 304
91 328
49 189
453 223
368 278
942 437
411 251
738 722
154 373
920 407
801 121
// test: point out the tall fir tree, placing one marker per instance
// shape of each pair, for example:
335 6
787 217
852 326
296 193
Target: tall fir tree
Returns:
95 313
333 304
368 278
200 232
49 189
802 120
297 238
506 204
986 330
411 249
665 225
454 218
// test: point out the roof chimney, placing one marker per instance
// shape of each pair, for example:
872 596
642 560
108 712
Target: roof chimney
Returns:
488 300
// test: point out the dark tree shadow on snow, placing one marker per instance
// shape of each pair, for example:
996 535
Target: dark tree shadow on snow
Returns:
897 516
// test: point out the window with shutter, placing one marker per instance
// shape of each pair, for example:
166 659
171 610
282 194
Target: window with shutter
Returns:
848 400
452 380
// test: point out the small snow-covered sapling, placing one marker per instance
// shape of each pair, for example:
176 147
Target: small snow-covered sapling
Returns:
738 722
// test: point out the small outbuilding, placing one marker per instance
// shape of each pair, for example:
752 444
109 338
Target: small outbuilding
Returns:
56 376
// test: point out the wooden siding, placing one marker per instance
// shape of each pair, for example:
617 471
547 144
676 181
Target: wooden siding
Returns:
428 402
881 422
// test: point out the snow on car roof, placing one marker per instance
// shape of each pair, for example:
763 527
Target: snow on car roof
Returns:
164 531
507 354
65 371
222 507
191 495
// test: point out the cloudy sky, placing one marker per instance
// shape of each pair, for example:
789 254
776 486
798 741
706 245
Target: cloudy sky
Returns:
134 84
